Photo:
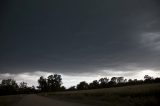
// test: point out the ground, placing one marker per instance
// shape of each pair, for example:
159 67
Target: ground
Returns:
35 100
137 95
134 95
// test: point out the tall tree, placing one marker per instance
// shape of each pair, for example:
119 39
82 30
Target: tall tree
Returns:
43 86
54 82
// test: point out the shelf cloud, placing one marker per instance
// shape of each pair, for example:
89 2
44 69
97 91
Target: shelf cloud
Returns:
79 37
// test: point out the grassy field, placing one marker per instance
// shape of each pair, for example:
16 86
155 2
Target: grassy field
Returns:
138 95
9 99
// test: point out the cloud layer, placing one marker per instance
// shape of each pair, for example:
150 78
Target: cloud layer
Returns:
73 37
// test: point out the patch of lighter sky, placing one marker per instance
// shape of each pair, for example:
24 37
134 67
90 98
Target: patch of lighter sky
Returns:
72 80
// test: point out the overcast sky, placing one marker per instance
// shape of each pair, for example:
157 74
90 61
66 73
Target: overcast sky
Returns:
78 38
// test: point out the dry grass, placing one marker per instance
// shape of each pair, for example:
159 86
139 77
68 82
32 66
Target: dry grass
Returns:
138 95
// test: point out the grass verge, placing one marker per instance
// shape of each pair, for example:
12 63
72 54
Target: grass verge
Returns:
137 95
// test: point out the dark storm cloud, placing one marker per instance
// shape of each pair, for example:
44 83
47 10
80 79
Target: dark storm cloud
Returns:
79 36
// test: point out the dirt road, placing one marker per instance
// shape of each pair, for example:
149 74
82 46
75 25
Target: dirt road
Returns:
35 100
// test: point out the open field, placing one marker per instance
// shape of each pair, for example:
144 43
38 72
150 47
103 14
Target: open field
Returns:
34 100
10 99
138 95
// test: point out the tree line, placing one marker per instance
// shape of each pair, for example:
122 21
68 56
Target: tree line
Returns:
51 83
54 83
113 82
10 87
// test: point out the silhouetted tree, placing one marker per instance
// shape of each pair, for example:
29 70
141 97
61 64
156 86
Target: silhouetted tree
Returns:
157 80
82 85
112 82
120 79
94 84
23 85
43 86
130 81
54 82
72 88
103 82
148 79
9 83
8 86
62 88
33 87
135 81
125 80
